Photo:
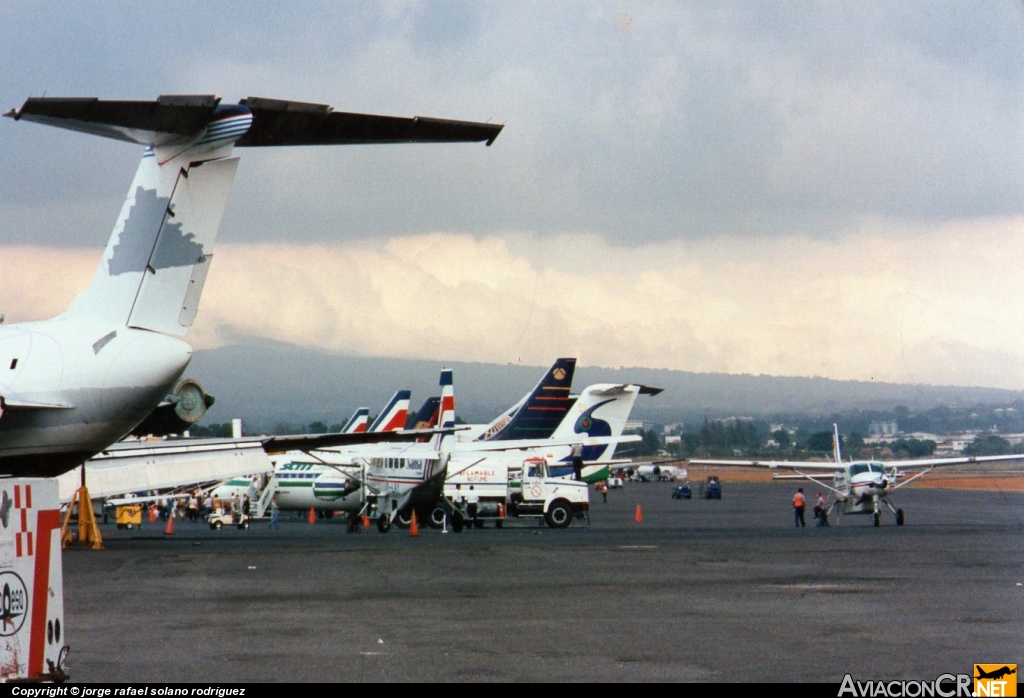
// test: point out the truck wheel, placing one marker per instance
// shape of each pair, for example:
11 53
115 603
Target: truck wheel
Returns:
215 525
383 524
244 525
436 519
559 515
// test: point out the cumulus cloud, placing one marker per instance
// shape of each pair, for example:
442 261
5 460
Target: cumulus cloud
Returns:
933 305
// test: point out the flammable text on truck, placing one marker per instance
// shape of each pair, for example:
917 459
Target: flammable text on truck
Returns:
497 488
32 646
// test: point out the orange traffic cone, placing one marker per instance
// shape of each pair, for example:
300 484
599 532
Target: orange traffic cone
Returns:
639 514
312 516
169 531
152 513
414 529
366 521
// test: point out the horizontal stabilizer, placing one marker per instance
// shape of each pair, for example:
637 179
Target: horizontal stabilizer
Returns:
275 122
312 442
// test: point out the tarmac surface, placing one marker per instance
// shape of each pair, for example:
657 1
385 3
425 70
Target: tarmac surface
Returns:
700 590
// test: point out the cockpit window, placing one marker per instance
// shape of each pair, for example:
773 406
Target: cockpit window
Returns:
858 468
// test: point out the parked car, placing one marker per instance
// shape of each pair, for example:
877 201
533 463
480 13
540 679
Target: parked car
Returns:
682 492
712 489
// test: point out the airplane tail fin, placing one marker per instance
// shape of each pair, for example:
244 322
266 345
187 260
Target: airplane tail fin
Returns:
159 253
428 415
601 410
446 413
394 414
358 422
539 413
836 441
155 265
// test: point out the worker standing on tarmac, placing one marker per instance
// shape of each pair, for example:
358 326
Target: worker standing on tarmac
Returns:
820 512
798 508
604 490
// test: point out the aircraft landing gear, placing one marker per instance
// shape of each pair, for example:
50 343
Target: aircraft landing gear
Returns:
876 519
383 523
899 517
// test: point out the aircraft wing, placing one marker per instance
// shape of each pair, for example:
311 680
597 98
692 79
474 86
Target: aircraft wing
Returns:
530 444
312 442
275 122
943 462
771 464
150 465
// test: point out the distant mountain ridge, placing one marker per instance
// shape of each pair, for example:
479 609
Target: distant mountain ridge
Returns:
270 383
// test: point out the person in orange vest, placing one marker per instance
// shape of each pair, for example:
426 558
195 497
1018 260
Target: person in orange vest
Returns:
798 508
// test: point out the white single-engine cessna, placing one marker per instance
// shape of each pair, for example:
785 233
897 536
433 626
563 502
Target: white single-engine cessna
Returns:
73 385
859 487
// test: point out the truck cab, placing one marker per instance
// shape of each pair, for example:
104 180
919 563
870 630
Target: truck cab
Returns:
536 493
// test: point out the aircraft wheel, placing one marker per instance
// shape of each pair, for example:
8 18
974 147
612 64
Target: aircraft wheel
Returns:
899 517
383 524
436 519
404 518
559 515
876 519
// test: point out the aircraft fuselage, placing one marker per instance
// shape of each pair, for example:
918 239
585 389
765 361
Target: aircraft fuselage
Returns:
863 484
69 388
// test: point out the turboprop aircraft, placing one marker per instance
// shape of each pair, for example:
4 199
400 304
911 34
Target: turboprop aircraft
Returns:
72 385
860 487
377 480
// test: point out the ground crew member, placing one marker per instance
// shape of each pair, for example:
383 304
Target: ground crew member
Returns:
275 513
604 490
798 508
820 513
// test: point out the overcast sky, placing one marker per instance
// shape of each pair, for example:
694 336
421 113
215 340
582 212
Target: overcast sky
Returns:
823 188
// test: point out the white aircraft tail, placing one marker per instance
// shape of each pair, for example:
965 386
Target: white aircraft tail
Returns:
394 414
601 410
446 411
358 422
155 265
836 449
